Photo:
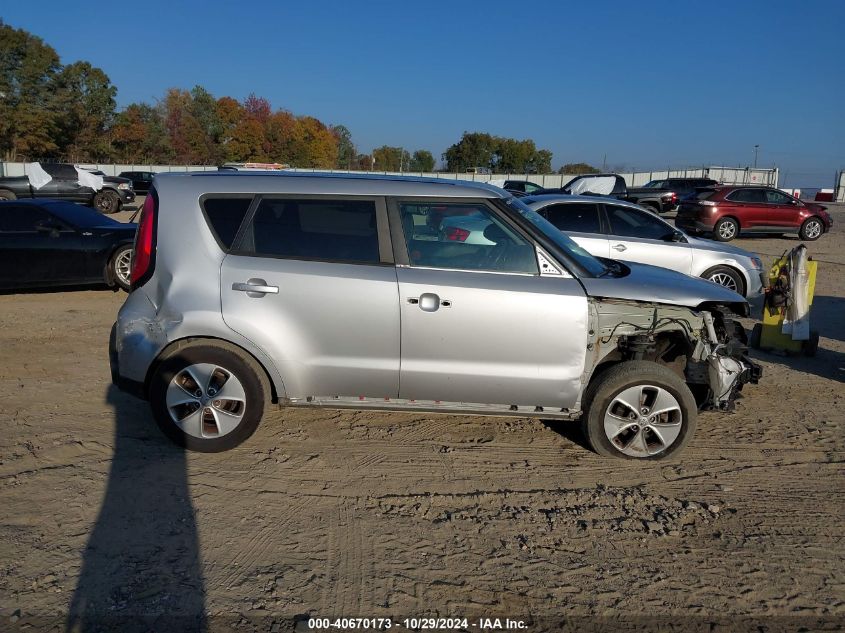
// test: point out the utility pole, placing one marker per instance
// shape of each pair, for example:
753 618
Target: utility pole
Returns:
756 148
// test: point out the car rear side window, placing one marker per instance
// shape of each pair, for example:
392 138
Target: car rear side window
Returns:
627 222
225 215
704 195
314 229
577 217
747 195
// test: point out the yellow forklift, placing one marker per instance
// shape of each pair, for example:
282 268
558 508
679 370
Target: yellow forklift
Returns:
786 308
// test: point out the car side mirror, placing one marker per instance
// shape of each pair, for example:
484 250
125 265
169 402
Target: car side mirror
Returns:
47 228
675 236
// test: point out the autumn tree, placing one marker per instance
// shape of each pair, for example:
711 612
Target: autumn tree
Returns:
28 70
422 161
139 137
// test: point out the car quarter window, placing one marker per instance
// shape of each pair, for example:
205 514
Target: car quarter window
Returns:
327 229
628 222
225 215
22 218
463 236
576 217
777 197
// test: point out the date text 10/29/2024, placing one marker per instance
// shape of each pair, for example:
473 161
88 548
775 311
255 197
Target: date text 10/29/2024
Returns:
417 624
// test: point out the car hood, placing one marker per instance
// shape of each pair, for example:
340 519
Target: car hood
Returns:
717 247
641 282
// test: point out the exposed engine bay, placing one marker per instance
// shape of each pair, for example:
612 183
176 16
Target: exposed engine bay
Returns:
706 347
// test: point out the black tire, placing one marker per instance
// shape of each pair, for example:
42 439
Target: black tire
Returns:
107 201
756 333
5 194
811 346
812 229
726 276
725 230
115 261
604 388
246 373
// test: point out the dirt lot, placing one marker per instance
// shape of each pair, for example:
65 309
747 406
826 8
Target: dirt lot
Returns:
399 515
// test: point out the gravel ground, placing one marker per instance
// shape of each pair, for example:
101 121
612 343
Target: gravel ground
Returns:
326 513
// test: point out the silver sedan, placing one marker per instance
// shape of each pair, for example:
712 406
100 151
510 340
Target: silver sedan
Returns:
621 230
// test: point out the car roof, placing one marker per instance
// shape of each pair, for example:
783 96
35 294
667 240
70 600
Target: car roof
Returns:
326 183
77 214
559 198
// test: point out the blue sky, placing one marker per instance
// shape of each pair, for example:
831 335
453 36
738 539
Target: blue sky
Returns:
648 84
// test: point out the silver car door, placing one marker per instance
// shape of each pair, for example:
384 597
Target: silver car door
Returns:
479 324
581 221
640 236
311 281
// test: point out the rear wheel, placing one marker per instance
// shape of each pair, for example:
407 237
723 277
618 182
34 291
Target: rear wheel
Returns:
638 410
811 230
727 277
726 229
107 201
5 194
121 265
207 398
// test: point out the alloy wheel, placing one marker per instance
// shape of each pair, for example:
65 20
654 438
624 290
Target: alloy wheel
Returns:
813 229
206 401
643 421
123 266
727 229
725 280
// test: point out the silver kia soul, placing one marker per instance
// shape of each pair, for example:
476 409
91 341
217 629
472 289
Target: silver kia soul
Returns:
366 293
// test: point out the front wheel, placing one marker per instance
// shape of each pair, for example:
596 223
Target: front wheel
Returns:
5 194
638 410
811 230
107 201
121 266
727 277
207 398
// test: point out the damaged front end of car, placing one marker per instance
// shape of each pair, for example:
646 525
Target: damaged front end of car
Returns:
706 346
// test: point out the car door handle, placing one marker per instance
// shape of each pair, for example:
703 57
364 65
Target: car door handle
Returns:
255 288
429 302
620 247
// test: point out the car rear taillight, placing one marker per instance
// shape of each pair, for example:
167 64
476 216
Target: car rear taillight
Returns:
144 253
674 197
454 234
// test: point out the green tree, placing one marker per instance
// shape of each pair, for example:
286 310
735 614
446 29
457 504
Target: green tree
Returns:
84 103
422 161
346 152
209 128
578 169
28 69
391 158
475 149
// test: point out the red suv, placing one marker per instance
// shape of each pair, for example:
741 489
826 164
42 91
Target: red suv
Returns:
725 211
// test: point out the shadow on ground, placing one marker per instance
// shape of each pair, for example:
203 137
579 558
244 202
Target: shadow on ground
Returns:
141 569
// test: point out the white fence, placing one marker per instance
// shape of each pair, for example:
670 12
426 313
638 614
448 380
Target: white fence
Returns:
727 175
839 193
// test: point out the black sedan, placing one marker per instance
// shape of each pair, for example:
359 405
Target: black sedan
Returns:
56 243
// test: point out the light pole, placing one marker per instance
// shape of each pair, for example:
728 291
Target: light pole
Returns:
756 147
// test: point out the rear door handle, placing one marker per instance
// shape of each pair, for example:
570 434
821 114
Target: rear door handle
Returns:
620 247
255 288
429 302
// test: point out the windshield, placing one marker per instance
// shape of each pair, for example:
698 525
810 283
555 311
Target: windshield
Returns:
561 240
